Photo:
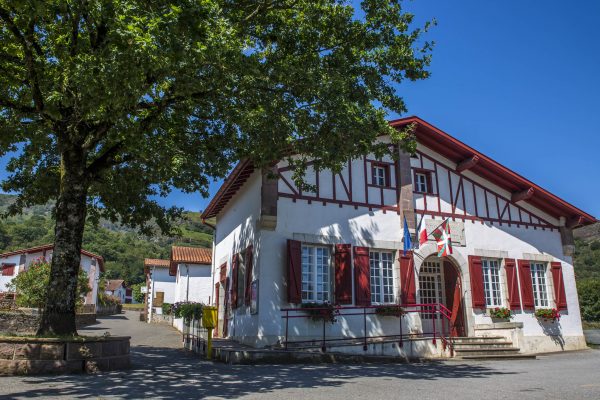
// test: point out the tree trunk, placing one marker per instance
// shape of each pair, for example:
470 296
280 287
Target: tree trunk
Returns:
58 317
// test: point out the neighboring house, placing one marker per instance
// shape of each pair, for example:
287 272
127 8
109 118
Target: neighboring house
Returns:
160 286
191 267
116 288
14 262
277 247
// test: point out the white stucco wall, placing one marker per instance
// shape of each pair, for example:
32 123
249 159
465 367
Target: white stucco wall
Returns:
193 283
161 281
93 272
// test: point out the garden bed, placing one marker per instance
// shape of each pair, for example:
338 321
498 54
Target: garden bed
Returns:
21 355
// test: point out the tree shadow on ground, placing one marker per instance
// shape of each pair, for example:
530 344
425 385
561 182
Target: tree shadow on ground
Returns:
174 373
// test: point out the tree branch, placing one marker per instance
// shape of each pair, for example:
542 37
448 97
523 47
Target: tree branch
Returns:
17 107
106 160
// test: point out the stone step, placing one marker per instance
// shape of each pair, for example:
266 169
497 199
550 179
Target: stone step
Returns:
497 357
486 344
463 339
485 351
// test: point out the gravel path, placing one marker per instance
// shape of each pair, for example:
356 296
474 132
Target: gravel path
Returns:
162 370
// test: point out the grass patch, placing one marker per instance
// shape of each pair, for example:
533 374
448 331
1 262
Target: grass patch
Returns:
591 324
133 307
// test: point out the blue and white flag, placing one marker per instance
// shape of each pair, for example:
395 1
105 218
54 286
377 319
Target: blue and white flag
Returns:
407 239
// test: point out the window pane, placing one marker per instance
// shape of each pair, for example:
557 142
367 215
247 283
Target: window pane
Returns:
491 283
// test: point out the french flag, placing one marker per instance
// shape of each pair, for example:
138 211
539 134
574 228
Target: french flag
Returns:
423 234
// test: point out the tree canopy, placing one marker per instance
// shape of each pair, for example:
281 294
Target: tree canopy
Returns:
112 102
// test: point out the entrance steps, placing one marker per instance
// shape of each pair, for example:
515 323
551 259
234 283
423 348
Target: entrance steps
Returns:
487 348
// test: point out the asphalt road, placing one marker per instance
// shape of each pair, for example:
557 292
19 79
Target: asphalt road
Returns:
162 370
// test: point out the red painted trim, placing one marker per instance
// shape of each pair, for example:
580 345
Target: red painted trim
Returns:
340 202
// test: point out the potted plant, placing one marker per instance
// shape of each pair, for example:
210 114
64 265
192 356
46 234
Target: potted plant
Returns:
500 313
547 314
389 311
320 311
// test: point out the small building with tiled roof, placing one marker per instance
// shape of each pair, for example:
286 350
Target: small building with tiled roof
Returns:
160 286
191 267
116 288
14 262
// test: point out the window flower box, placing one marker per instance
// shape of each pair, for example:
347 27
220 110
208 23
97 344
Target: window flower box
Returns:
389 311
320 311
547 314
500 313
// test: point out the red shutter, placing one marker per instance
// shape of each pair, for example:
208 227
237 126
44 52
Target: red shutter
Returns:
510 267
8 269
477 291
526 286
343 274
408 291
294 287
235 267
429 183
249 262
362 276
559 285
388 179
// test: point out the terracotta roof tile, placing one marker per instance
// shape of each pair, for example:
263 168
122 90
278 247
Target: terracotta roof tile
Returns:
189 255
114 284
155 262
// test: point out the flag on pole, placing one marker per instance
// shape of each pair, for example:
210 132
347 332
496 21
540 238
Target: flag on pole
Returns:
442 237
422 233
407 239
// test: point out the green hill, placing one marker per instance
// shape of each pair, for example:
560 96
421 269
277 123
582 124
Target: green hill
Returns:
123 249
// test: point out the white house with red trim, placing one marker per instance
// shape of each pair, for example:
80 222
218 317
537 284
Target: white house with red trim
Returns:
160 286
14 262
278 248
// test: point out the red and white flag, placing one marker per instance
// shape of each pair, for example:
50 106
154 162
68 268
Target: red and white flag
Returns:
443 239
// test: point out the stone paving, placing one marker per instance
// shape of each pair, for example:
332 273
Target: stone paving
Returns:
162 370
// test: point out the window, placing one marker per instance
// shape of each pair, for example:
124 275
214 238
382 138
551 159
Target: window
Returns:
421 182
538 280
380 174
491 283
382 276
315 273
430 286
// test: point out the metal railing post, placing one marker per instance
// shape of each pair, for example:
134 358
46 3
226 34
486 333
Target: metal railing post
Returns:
287 319
434 317
323 348
365 329
401 334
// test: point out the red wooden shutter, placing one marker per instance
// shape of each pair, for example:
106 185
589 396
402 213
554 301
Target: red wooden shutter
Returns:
362 276
477 290
388 179
235 267
343 274
249 262
8 269
510 267
526 285
408 290
559 285
294 287
429 182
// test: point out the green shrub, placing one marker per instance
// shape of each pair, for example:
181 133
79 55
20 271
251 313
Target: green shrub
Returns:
31 285
166 308
589 299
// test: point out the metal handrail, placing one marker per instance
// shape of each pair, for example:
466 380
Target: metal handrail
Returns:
444 333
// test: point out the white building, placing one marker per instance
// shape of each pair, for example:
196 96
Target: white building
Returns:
191 267
116 288
160 286
277 248
14 262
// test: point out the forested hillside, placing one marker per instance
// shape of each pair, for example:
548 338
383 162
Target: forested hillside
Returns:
123 249
587 270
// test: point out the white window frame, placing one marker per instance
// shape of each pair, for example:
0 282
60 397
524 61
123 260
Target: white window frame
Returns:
492 282
431 281
311 290
382 287
379 175
539 283
421 182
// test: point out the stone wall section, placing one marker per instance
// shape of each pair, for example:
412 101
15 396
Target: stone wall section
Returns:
35 356
26 322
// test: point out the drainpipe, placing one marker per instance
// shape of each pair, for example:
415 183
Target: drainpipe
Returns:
151 296
187 289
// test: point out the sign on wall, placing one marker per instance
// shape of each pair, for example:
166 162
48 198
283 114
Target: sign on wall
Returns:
457 230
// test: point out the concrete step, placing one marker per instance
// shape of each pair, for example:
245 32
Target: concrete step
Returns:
483 345
497 357
485 351
478 339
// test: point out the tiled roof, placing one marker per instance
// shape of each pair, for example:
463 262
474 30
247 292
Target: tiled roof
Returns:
156 262
114 284
189 255
50 246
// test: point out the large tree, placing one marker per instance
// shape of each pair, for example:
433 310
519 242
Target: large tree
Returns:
109 103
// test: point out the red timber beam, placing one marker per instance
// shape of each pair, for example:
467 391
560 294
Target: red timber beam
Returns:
575 222
523 195
467 163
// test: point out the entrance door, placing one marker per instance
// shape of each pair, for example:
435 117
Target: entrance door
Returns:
454 298
431 291
220 308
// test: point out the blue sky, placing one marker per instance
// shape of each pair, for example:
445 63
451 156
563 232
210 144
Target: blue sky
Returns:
518 81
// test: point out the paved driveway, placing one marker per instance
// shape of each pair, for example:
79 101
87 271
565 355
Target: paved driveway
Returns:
162 370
